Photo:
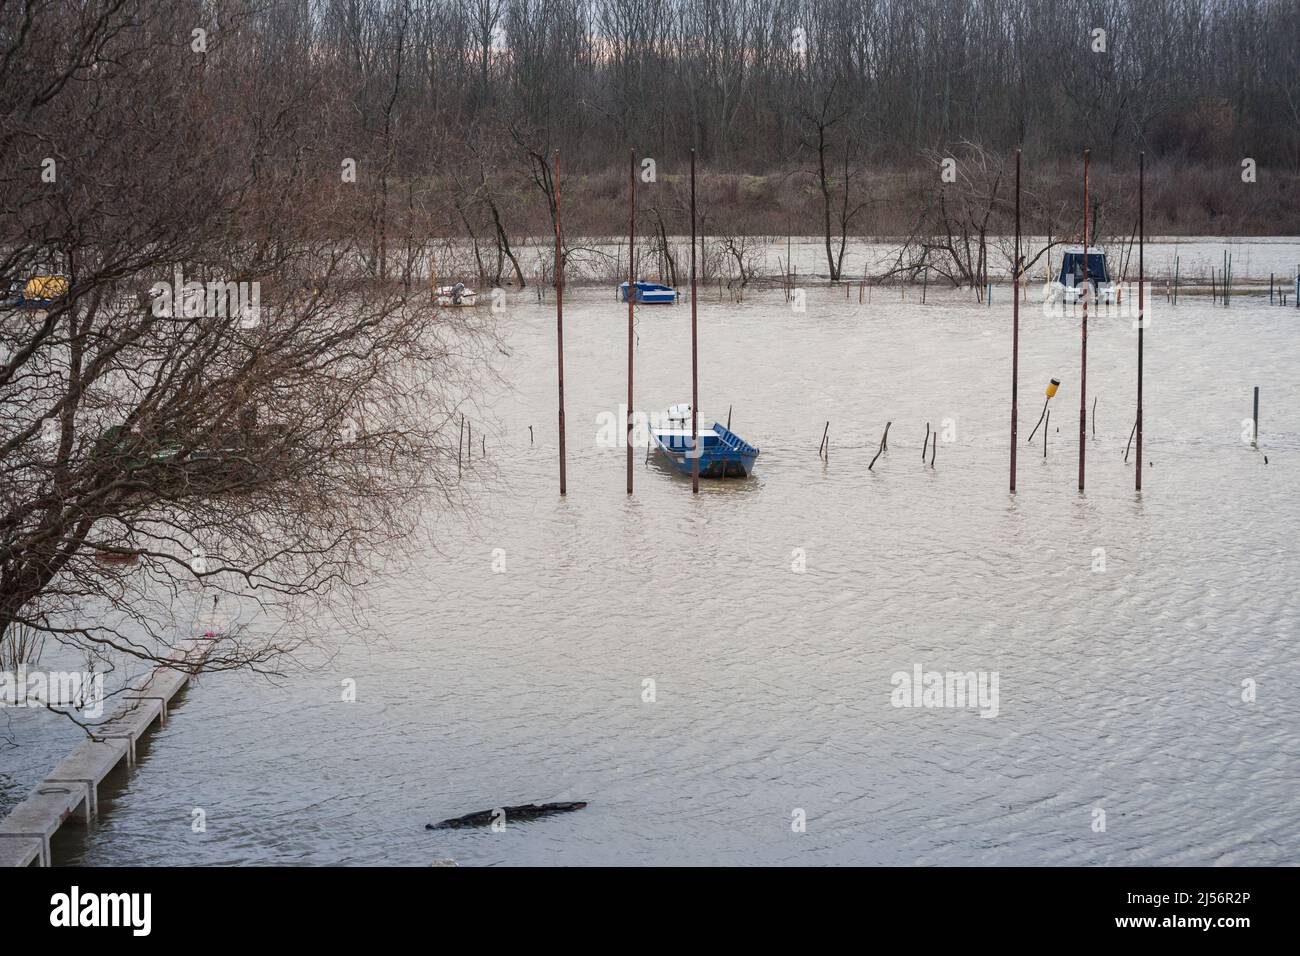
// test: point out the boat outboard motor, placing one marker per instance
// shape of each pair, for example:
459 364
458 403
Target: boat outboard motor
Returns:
456 291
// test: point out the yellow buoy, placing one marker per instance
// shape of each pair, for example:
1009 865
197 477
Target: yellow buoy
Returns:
1052 386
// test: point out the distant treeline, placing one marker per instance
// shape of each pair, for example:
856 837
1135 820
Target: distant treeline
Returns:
744 81
398 119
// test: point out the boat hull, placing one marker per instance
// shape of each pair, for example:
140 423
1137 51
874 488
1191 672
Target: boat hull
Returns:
649 293
456 297
1102 294
723 454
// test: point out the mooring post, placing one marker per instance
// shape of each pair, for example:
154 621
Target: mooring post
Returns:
559 320
1083 333
695 366
1015 336
1142 318
1255 429
631 297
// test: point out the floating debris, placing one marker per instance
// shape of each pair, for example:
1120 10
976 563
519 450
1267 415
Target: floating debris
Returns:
484 818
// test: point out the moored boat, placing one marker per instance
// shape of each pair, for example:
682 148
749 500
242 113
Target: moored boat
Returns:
39 292
722 453
456 295
649 293
1069 285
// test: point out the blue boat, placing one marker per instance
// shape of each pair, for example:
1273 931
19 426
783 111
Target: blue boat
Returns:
1069 284
650 293
723 453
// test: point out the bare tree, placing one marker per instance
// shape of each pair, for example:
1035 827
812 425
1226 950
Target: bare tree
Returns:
225 400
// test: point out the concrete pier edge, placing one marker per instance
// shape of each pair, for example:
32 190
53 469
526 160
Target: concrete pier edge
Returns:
73 784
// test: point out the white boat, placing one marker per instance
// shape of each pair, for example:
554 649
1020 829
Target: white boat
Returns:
456 295
1069 285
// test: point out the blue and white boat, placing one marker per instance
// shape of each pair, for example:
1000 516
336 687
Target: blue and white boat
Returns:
723 453
650 293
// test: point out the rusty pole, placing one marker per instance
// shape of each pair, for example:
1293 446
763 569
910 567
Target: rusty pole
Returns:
695 366
631 297
559 313
1015 332
1142 317
1083 330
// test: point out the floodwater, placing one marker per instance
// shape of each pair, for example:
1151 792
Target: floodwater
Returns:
1144 645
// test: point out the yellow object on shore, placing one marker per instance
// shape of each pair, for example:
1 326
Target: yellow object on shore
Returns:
46 287
1052 386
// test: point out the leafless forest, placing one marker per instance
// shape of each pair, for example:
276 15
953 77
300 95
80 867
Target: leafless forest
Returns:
458 105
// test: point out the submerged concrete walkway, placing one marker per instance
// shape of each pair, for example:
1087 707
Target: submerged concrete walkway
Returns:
71 791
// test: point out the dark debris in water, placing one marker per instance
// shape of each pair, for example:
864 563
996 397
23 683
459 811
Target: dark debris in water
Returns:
528 811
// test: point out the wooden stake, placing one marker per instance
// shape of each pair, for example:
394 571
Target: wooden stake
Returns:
884 443
1041 416
825 432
